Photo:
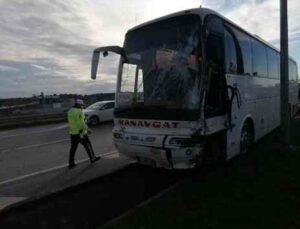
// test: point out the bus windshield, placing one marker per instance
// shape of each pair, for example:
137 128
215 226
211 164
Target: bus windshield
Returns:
161 68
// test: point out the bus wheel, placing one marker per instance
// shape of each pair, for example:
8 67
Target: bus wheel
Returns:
247 138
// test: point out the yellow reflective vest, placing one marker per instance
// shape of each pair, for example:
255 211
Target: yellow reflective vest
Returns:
76 119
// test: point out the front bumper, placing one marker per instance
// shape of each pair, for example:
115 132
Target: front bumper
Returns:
170 158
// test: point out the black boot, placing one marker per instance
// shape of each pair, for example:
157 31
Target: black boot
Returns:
71 166
97 158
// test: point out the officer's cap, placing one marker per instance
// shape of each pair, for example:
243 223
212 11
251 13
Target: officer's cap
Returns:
79 101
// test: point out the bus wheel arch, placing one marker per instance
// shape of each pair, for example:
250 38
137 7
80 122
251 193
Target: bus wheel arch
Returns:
247 136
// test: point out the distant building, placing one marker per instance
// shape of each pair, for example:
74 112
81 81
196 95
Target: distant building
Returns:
50 101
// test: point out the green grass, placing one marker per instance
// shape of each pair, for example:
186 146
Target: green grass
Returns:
259 190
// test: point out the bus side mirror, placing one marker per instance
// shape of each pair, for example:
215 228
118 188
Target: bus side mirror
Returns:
105 50
95 62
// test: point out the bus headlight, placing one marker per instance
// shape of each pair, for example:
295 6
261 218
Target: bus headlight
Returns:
118 136
189 152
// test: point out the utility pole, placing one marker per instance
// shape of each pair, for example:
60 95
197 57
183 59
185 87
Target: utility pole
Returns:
284 75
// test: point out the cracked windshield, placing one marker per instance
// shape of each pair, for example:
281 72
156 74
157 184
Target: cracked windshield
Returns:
162 70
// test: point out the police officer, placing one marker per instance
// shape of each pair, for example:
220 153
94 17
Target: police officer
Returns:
78 131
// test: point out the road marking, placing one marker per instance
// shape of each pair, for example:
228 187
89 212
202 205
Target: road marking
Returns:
42 144
35 145
5 151
34 132
50 170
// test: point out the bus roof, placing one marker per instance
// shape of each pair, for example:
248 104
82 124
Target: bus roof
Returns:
203 12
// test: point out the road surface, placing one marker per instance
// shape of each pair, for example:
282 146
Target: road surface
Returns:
33 160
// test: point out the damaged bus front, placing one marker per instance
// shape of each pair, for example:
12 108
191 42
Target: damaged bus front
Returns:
162 118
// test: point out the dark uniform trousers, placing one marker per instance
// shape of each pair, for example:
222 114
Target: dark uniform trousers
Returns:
85 141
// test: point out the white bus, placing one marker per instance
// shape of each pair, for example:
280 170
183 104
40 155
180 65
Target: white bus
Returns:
193 86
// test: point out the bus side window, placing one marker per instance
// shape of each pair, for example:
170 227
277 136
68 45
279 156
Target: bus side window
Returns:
243 44
273 64
214 50
278 64
216 92
259 59
292 70
230 53
295 72
241 47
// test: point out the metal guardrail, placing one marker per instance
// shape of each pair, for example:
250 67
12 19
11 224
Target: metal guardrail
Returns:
26 120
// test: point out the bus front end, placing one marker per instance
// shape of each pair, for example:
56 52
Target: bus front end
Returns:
157 112
158 143
158 94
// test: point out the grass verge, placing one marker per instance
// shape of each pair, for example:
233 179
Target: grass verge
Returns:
258 190
15 122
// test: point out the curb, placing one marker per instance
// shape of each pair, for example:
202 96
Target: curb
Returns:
35 199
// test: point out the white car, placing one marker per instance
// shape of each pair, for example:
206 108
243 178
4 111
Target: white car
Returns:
99 112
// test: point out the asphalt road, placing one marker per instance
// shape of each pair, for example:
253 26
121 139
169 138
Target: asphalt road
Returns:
34 161
33 170
32 149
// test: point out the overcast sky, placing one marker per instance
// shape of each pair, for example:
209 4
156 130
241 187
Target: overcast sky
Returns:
46 45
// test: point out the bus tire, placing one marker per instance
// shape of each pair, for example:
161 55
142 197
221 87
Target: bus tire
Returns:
247 137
